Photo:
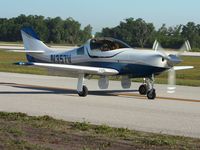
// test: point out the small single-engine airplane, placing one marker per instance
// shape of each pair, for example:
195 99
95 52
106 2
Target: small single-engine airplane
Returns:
103 57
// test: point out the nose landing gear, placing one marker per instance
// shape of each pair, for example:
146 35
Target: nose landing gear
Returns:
151 94
147 88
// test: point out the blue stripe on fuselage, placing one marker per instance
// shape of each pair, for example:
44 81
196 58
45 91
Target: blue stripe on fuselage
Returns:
33 59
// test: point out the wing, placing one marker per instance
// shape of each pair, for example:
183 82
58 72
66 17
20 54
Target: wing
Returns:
79 69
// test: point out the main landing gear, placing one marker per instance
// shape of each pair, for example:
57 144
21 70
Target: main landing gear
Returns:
147 88
81 88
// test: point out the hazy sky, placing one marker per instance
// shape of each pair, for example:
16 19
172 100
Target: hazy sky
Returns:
107 13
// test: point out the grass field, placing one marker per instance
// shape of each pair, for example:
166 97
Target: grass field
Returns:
187 77
7 60
19 131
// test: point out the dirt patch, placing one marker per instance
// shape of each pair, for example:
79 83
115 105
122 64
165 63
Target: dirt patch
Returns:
20 131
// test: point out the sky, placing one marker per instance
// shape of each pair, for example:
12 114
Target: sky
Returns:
107 13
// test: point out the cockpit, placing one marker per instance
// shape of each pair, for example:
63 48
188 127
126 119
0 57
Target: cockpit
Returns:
107 44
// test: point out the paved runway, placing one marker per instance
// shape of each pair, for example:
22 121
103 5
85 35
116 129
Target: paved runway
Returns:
177 114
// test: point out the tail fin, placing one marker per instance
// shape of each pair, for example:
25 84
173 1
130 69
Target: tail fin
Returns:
32 43
31 40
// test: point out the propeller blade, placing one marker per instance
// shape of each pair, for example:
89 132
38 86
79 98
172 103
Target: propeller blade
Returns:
171 81
186 46
157 46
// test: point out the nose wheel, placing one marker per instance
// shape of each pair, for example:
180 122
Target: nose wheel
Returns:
147 88
151 94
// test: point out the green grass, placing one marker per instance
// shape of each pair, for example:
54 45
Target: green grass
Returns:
195 50
29 132
186 77
189 77
7 60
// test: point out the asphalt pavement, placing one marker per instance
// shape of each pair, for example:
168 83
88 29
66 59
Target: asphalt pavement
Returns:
176 114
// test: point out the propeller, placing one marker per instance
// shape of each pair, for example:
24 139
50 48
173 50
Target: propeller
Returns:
171 81
172 60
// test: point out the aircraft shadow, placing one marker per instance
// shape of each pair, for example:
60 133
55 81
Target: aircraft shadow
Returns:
52 90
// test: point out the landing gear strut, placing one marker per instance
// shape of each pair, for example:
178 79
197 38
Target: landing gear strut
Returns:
81 88
147 88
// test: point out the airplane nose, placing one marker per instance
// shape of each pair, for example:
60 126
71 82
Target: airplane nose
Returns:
163 61
171 60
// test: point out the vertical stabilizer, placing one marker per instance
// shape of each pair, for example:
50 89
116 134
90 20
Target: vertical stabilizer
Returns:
32 43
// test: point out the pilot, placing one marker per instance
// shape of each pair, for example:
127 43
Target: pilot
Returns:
105 47
116 46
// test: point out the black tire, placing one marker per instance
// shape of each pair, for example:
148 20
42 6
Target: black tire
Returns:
84 92
143 89
151 94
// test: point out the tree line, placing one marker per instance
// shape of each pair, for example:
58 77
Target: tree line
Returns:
135 32
50 30
138 33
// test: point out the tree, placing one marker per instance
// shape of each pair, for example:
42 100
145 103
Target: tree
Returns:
86 33
143 31
71 31
55 28
170 37
134 32
191 32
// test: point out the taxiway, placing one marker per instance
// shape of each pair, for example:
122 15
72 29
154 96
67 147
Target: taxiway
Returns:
176 114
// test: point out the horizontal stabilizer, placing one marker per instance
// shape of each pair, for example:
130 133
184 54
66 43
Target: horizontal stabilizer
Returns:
28 51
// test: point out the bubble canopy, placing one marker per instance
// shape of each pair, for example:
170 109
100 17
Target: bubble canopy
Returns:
107 44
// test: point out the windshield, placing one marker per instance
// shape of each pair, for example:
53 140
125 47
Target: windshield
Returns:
107 44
